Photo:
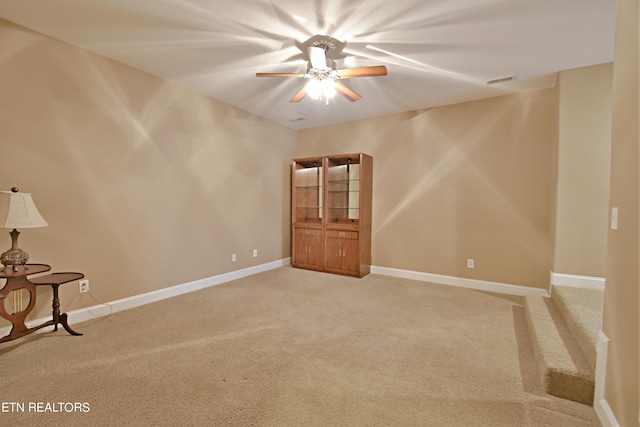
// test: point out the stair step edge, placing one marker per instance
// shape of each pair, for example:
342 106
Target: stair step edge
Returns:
577 308
563 368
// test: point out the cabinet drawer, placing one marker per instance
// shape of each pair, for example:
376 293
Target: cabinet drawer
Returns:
312 232
337 234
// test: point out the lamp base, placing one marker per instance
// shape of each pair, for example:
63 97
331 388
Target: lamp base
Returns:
15 256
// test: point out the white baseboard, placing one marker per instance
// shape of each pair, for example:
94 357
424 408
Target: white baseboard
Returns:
481 285
574 281
101 310
107 308
149 297
600 404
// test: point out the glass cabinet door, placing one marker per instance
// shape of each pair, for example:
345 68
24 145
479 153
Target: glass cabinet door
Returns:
307 191
343 190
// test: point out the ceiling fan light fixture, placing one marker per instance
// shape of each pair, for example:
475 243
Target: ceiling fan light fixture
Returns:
313 88
328 90
321 88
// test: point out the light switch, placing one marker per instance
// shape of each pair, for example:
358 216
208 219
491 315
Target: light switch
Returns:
614 218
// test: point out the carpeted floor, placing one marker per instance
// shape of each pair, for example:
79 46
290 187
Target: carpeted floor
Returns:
290 347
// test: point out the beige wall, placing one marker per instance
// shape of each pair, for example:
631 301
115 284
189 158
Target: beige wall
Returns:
145 184
473 180
584 156
621 318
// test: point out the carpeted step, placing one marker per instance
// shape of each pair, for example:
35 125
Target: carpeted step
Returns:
564 370
581 310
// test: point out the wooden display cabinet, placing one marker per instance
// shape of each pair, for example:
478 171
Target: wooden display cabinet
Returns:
331 213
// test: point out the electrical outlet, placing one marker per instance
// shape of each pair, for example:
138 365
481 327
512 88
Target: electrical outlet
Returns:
233 257
83 286
255 253
470 263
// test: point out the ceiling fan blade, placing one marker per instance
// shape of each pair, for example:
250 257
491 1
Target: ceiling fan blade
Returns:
280 75
375 71
317 57
298 96
345 91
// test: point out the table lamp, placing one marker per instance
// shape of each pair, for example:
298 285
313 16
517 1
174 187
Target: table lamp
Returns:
17 210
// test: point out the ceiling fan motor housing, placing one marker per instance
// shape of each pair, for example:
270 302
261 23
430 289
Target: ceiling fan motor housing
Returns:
332 47
331 66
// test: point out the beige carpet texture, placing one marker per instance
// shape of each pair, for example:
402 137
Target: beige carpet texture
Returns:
290 347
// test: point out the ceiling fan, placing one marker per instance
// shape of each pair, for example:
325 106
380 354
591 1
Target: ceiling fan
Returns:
324 78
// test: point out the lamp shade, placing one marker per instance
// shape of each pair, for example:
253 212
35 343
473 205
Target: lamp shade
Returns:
17 210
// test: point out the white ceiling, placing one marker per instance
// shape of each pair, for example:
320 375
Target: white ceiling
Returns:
437 52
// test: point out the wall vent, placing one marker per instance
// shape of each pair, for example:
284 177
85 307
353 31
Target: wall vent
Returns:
501 80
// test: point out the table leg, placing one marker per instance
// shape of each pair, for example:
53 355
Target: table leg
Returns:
65 324
19 328
56 307
57 317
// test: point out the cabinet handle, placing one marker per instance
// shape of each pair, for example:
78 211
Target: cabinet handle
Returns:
341 234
